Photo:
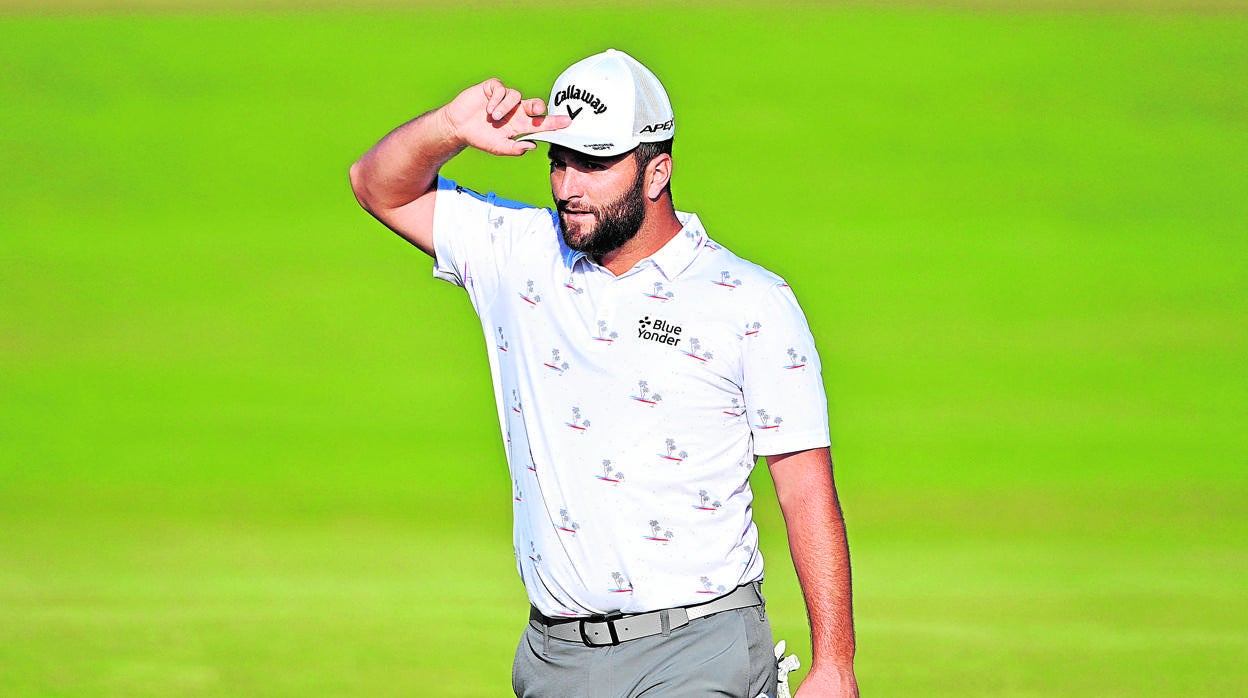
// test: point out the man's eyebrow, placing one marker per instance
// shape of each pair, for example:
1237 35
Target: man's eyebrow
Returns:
572 158
587 159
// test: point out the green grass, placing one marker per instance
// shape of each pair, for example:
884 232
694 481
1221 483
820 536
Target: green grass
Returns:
247 445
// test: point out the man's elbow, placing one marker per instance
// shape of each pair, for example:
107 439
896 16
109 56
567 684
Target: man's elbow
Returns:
359 187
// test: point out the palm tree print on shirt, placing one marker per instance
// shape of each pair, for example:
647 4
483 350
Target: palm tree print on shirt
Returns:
566 524
577 422
555 364
705 503
695 346
657 533
706 587
671 453
529 295
621 585
795 361
605 334
765 420
659 294
725 279
609 473
644 395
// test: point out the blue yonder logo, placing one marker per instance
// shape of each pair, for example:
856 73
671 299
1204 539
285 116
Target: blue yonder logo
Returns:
659 330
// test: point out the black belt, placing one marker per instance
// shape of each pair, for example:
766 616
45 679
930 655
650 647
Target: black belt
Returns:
614 628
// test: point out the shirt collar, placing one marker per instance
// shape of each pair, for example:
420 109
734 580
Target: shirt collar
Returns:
671 259
679 252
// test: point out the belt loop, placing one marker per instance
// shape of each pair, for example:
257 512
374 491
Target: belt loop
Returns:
545 640
665 622
762 605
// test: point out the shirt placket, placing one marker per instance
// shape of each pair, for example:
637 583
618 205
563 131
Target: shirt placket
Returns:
607 329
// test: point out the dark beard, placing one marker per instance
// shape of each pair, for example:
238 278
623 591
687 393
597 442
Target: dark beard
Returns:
618 222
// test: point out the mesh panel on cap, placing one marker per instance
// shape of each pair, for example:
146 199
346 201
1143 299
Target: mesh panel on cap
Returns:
650 105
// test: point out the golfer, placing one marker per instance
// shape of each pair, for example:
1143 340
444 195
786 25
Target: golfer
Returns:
639 367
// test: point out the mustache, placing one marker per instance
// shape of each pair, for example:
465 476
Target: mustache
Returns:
563 207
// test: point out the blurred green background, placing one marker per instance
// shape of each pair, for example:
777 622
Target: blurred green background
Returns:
247 445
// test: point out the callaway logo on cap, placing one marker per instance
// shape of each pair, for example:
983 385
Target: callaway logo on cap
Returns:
614 102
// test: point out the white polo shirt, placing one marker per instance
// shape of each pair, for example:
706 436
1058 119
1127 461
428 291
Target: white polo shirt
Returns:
632 407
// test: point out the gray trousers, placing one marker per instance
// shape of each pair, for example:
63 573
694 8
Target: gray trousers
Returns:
726 654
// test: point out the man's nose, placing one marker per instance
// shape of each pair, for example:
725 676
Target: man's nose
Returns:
567 184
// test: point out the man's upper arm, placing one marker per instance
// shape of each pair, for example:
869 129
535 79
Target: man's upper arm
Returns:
412 221
782 379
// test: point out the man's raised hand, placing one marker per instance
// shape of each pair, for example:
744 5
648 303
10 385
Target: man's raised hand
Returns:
490 115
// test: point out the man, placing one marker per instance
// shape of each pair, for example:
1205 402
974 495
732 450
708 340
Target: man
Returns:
638 367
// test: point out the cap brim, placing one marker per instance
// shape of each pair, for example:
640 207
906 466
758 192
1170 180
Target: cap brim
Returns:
590 145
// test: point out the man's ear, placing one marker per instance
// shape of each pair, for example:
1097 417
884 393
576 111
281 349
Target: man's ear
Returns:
658 174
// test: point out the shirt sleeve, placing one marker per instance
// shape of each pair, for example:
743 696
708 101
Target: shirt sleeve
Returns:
473 236
783 384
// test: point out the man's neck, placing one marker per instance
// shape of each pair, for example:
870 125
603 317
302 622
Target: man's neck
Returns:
659 227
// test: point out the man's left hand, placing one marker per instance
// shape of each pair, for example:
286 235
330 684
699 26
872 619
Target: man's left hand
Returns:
829 682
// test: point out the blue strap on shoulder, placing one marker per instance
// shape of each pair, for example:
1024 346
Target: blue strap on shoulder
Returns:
491 198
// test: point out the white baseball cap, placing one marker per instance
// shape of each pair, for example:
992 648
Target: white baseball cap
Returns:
615 103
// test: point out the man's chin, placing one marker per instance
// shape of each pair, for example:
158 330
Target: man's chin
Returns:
576 236
578 245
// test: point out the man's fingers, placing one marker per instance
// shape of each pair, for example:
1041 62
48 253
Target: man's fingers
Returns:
510 100
537 124
533 106
507 115
500 100
553 122
495 91
540 120
513 148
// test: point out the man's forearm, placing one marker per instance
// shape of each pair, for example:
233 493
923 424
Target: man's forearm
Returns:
396 180
820 550
404 165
